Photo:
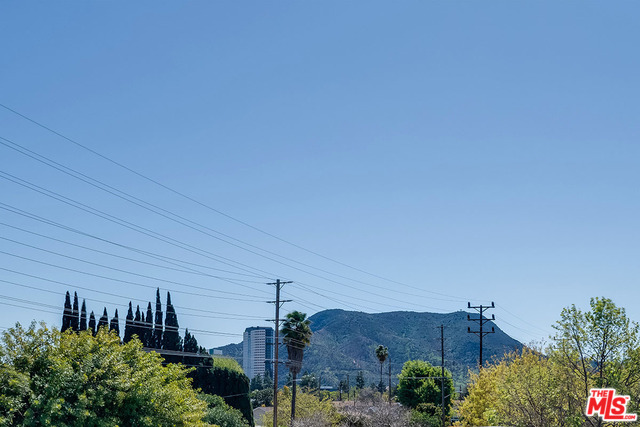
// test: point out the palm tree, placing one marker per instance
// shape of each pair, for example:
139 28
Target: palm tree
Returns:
296 335
381 353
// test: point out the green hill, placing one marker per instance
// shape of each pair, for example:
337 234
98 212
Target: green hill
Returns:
343 343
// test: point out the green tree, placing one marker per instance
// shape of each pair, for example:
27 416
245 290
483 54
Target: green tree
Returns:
262 397
76 379
360 380
148 328
67 313
420 384
225 379
115 324
221 414
103 322
309 407
171 337
83 317
382 353
256 383
75 313
524 389
599 348
92 323
308 382
157 326
296 334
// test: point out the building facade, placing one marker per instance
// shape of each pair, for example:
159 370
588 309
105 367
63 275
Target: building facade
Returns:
257 351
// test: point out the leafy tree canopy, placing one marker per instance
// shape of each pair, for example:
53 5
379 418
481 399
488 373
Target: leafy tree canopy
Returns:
85 380
419 385
221 414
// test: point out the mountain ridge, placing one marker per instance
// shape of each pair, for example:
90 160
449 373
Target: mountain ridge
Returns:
343 343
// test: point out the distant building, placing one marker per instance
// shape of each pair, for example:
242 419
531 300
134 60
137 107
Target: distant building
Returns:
257 351
215 352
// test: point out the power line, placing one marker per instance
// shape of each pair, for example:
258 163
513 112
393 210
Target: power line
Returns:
164 238
213 209
163 212
111 268
159 257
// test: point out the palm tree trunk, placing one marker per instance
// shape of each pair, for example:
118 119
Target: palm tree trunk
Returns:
293 399
381 363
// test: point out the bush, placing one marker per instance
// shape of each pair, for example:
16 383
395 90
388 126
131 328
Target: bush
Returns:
221 414
53 378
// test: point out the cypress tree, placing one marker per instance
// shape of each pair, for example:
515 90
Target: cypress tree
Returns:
104 320
92 323
115 325
171 338
128 326
137 323
157 328
67 313
148 328
83 317
75 313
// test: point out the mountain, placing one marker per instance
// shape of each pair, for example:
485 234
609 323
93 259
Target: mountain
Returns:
343 343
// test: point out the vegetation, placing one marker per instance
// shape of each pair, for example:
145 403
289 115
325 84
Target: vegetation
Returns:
221 414
53 378
419 388
599 348
296 335
308 407
382 353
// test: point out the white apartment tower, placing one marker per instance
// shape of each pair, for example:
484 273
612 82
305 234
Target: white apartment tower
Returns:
257 351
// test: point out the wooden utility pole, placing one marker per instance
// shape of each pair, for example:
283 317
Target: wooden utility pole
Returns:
389 380
442 365
481 320
278 302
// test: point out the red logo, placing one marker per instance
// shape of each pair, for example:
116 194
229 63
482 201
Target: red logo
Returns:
608 406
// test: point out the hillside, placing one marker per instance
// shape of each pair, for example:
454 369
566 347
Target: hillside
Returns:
344 341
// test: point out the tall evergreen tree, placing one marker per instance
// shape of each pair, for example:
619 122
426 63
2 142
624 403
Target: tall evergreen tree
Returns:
67 313
115 325
104 320
148 328
83 317
75 313
137 324
92 323
171 338
157 328
190 342
128 326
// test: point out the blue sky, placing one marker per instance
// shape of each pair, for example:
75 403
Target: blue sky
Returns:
483 150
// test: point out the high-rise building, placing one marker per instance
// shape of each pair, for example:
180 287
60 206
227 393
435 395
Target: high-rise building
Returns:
257 351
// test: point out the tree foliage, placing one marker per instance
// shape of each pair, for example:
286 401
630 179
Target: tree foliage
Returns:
296 335
225 379
220 414
598 348
308 406
52 378
419 386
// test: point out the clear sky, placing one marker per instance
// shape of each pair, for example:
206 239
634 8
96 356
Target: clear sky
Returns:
487 151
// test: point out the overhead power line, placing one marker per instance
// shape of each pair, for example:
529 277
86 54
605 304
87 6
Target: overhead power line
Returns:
206 206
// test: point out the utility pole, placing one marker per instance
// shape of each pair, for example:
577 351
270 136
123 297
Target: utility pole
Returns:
481 320
389 380
442 365
348 388
278 302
